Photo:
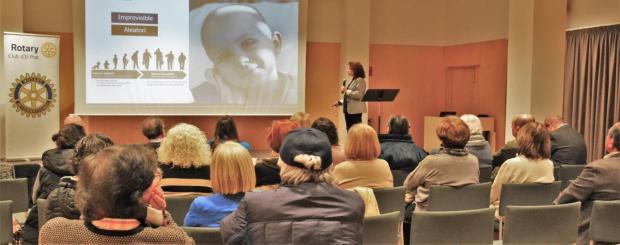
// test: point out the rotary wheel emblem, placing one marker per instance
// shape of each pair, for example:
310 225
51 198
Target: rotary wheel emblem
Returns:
48 49
32 95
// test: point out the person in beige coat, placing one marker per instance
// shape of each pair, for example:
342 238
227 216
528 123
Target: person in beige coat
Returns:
353 91
363 168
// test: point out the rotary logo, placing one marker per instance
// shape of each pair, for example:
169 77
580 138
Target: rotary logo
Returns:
32 95
48 49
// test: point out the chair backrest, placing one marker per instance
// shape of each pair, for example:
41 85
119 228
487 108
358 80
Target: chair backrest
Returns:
527 195
390 199
548 224
204 235
382 229
398 177
446 198
604 225
42 211
28 170
485 174
6 222
15 190
178 206
568 173
453 227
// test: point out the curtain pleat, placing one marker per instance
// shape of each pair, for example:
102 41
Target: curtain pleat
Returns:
592 85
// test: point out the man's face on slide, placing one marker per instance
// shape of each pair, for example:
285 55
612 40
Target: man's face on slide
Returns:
241 46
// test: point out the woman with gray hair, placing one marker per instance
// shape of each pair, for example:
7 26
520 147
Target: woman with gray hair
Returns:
306 208
477 145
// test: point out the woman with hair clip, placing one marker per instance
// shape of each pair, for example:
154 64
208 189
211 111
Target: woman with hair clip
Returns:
306 208
353 91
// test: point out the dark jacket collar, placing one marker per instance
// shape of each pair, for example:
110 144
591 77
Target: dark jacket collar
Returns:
396 138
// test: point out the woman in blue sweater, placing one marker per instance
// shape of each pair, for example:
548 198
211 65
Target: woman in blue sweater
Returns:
232 174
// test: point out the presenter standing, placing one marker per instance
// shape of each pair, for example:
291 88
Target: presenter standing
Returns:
353 91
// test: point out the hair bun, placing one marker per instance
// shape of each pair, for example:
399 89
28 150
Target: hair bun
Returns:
309 161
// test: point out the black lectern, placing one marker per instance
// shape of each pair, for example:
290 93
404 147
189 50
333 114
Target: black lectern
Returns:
380 95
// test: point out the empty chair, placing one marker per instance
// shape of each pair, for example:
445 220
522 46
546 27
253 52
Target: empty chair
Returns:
42 211
398 177
548 224
204 235
15 190
178 206
568 173
485 174
605 222
453 227
446 198
390 199
382 229
6 222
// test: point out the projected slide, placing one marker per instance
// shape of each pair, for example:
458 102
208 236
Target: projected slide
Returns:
137 52
216 55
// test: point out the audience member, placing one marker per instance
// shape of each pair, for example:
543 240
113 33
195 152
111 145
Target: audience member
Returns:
329 128
302 119
226 130
477 145
61 201
154 130
57 163
306 208
452 166
363 168
398 148
184 158
267 170
510 149
232 175
599 180
114 187
531 165
567 145
73 119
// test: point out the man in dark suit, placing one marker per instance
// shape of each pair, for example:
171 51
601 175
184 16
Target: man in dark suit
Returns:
153 129
510 149
597 181
567 145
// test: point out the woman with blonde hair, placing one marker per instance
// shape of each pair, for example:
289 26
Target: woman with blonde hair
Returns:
302 119
232 175
184 157
363 167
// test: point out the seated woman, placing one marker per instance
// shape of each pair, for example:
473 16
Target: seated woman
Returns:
232 175
397 147
329 128
61 201
115 186
267 170
226 130
302 119
362 168
451 166
477 145
531 165
184 157
57 163
306 208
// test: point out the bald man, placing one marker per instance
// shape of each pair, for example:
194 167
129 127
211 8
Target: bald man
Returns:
243 49
75 119
599 180
567 145
510 149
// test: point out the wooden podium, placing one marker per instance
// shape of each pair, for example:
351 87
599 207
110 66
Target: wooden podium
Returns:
430 136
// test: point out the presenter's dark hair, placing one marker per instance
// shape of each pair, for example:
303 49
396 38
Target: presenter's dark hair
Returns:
399 125
68 135
358 69
328 127
152 127
225 129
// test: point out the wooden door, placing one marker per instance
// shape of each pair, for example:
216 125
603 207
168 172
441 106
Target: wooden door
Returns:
460 90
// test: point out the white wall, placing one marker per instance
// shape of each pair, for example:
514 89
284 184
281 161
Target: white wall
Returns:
589 13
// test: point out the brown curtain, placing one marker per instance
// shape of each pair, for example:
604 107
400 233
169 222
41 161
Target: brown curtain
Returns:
591 84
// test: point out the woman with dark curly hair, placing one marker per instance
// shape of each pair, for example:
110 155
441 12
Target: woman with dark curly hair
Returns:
329 128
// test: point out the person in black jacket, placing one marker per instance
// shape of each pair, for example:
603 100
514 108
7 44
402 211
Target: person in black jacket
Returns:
61 201
398 148
567 145
57 163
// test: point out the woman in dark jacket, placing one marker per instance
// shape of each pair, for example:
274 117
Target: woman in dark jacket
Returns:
57 163
398 148
61 201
